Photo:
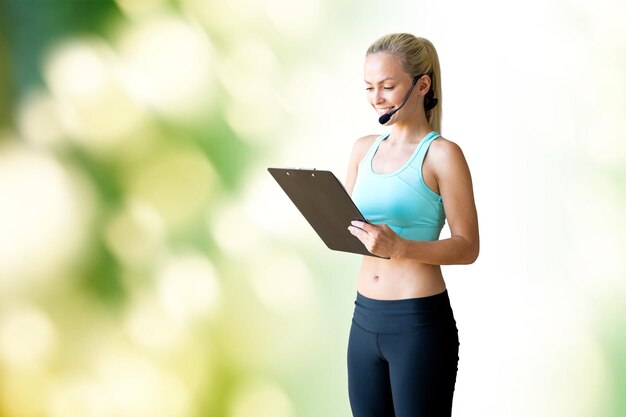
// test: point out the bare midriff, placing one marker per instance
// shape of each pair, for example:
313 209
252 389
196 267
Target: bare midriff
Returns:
395 279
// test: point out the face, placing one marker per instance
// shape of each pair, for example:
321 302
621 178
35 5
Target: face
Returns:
386 85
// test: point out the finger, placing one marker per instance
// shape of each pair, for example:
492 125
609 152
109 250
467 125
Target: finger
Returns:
365 226
360 234
355 230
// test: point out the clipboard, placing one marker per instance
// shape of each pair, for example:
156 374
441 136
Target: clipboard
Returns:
325 204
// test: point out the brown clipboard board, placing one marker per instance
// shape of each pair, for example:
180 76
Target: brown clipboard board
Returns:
325 204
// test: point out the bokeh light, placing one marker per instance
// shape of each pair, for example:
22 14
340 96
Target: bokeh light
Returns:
169 66
136 234
44 216
95 107
27 338
188 287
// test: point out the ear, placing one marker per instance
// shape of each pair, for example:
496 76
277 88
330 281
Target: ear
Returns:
424 84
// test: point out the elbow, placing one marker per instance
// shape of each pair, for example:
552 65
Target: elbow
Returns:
472 258
471 253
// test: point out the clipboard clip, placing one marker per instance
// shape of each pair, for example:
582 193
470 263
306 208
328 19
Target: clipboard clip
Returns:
301 169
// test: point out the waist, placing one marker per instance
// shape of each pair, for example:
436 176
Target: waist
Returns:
403 315
405 277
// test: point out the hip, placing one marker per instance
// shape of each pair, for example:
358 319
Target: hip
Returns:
404 315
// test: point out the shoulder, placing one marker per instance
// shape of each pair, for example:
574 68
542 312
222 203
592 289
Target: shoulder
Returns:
365 141
446 155
362 145
442 149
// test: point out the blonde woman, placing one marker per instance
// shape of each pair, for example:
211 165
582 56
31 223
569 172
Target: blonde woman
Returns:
403 346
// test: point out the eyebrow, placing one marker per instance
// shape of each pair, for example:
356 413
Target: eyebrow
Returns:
384 79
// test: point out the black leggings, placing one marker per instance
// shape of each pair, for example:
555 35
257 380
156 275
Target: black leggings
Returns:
402 357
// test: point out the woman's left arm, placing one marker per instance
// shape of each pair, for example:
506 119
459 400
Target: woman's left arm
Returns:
455 187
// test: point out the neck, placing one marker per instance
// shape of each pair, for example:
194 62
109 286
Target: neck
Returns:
410 130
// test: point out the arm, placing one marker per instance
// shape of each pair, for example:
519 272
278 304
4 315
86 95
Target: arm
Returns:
455 187
359 149
452 251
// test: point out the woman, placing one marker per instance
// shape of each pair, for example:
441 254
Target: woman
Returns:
403 344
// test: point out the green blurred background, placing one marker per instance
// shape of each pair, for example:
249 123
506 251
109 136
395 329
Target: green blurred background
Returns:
150 265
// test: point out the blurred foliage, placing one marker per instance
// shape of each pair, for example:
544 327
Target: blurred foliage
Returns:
128 296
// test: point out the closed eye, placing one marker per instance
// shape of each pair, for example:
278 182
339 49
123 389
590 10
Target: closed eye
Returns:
384 88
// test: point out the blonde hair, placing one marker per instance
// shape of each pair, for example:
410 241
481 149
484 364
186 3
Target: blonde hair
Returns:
417 56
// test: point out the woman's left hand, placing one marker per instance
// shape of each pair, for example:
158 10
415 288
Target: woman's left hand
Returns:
379 239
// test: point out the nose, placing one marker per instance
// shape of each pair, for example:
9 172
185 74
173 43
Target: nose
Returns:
378 96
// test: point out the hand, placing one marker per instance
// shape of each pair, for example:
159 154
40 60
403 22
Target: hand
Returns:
379 239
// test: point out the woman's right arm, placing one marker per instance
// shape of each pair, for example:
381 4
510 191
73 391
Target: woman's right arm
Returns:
359 149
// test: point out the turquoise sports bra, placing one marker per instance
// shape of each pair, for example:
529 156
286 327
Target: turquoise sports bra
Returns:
400 199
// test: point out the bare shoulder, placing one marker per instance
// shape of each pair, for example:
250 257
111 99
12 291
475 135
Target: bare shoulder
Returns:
362 144
444 151
442 147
